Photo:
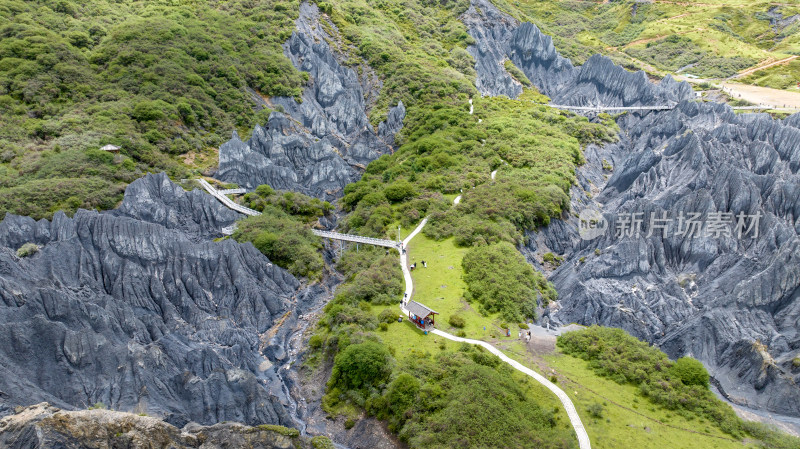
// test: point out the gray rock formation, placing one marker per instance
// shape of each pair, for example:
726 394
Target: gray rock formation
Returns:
156 199
45 426
130 309
733 302
321 144
599 82
730 301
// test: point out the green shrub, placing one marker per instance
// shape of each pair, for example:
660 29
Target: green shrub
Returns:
315 342
399 191
361 366
281 430
28 249
456 321
595 410
322 442
690 371
285 240
388 316
499 278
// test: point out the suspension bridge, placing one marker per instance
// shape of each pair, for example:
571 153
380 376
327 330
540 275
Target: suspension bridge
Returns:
222 198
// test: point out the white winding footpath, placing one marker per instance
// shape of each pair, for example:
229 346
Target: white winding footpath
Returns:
569 407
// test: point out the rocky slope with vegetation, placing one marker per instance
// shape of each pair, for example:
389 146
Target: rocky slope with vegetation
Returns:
730 301
322 142
165 82
43 425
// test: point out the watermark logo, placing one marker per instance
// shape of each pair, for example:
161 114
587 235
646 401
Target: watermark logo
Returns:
591 224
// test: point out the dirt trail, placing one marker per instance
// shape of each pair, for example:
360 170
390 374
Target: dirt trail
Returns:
764 65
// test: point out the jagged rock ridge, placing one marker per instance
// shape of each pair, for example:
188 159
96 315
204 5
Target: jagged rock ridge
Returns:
156 199
732 302
140 316
321 144
598 82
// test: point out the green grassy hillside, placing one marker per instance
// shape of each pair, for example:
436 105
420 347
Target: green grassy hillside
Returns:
707 38
166 81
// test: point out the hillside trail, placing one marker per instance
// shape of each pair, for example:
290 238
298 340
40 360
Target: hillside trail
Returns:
569 407
764 65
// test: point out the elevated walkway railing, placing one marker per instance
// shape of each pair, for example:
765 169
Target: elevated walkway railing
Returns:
356 239
225 200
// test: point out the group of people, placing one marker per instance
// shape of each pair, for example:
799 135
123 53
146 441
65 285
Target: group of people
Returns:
414 265
526 335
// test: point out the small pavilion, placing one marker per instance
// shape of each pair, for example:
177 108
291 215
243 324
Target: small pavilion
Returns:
421 315
111 149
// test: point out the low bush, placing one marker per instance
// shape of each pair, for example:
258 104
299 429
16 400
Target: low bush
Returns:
28 249
456 321
499 278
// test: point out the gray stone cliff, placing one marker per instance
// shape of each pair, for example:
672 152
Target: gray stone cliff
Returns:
499 37
132 309
321 144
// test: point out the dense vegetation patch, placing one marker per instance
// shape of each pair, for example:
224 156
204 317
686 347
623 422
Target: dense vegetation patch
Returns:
282 231
783 76
534 147
500 279
676 52
167 82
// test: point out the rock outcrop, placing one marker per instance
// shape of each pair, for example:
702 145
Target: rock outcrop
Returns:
731 301
132 309
598 82
156 199
321 144
43 425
